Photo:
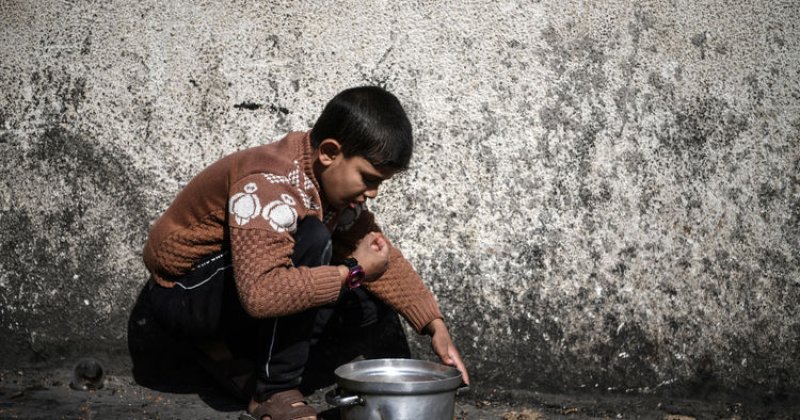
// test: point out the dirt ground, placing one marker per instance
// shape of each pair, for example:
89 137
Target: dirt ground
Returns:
154 380
45 393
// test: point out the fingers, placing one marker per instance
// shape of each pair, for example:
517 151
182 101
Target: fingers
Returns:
459 364
372 252
453 358
444 348
378 242
444 354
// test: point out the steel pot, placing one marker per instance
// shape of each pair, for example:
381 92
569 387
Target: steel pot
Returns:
395 389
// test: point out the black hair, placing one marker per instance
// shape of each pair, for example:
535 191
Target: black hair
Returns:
367 121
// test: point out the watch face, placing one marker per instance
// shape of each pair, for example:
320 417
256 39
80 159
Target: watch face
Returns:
351 263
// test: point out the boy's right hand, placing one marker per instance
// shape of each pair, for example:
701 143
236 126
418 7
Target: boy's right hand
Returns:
372 252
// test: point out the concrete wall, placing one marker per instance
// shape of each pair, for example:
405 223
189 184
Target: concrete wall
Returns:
604 194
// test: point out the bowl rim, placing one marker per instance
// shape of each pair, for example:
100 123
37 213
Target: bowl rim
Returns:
448 378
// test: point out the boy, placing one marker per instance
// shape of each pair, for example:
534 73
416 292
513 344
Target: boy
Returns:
265 237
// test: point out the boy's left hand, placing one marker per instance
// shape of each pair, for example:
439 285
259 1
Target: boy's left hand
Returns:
444 348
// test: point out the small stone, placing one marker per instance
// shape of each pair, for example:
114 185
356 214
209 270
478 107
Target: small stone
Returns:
87 375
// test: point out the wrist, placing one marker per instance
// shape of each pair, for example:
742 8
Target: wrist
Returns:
343 273
355 273
435 326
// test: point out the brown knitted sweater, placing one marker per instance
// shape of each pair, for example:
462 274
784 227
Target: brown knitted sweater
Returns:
251 201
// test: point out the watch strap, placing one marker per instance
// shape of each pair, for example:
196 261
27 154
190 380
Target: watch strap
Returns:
356 274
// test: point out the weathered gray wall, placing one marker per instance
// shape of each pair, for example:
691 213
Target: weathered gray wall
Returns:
604 194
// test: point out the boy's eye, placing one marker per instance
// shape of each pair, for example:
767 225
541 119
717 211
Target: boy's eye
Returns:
371 181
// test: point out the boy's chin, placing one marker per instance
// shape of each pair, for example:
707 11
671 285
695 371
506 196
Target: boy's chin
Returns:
338 205
346 206
341 204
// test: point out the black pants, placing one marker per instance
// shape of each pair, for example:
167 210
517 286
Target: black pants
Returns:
204 305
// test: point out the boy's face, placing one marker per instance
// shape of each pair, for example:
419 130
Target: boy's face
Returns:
347 181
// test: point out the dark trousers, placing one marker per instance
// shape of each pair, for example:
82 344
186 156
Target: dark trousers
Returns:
204 305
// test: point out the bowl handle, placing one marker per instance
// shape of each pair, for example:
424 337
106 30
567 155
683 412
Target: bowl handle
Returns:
333 398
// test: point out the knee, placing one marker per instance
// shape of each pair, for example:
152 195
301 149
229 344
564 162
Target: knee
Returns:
312 243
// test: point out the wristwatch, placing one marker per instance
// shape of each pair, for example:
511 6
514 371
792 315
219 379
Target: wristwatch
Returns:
356 275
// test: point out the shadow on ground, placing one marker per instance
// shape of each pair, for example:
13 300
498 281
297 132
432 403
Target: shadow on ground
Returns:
162 363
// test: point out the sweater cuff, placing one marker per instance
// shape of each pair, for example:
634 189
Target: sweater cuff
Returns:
422 313
327 284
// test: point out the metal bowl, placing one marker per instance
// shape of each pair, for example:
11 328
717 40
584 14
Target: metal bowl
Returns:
395 389
397 376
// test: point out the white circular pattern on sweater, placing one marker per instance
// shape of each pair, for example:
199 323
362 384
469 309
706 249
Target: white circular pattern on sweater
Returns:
281 216
245 205
288 199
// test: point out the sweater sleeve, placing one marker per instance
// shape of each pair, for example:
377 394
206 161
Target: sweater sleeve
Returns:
400 286
264 216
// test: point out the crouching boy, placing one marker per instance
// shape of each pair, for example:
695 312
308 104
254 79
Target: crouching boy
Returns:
262 244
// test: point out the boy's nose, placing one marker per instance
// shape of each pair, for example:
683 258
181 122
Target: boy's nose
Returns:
371 193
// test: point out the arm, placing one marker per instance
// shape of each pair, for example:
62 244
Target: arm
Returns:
261 221
402 289
443 346
399 286
268 284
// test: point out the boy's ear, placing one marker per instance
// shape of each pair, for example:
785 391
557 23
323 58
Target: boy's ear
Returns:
328 151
